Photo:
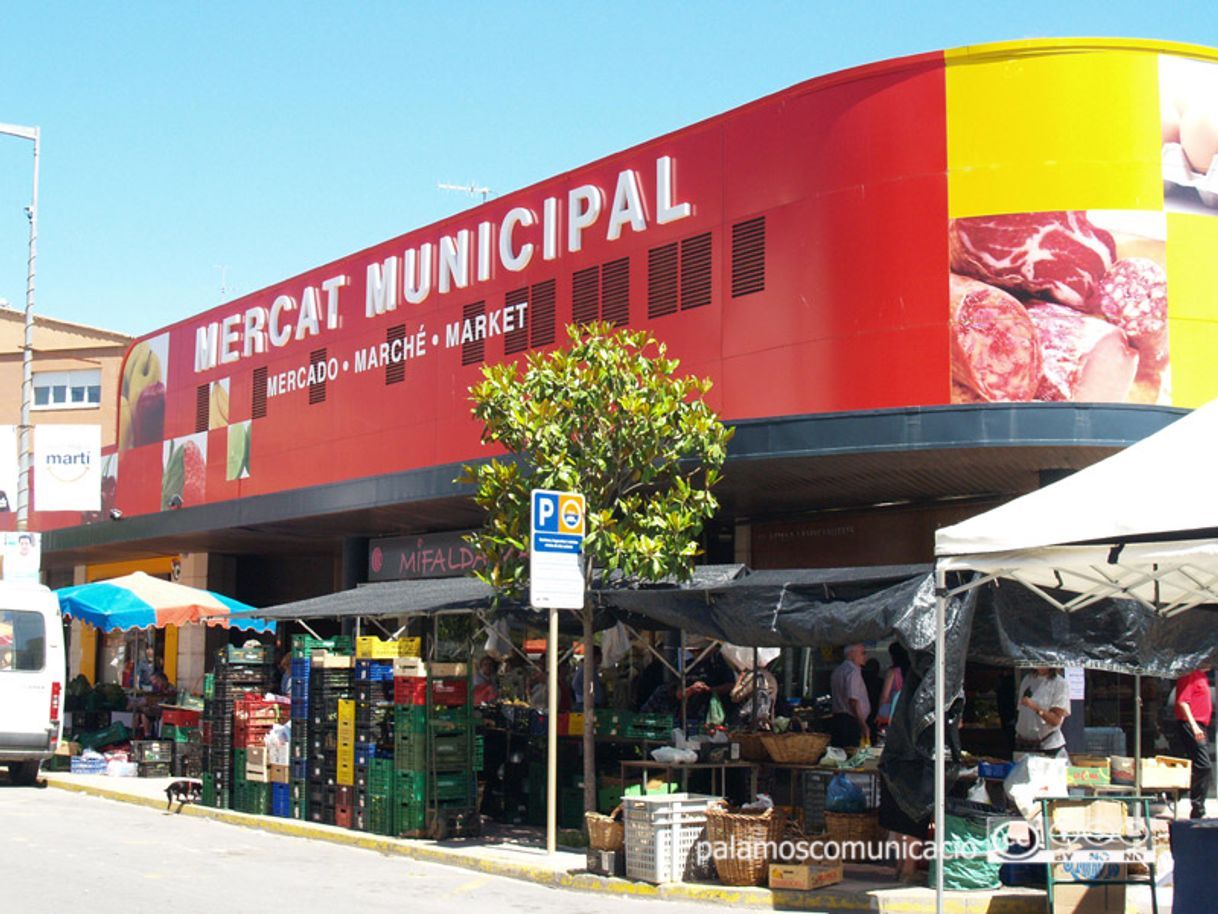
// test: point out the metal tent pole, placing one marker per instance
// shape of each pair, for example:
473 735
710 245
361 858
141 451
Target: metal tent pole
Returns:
1137 733
940 731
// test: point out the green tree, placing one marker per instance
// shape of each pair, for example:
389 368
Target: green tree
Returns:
607 416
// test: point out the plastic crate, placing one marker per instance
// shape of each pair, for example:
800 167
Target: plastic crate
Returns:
1104 740
303 646
661 832
373 647
246 655
412 690
458 786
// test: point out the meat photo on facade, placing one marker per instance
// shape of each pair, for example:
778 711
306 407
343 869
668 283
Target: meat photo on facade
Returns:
1065 306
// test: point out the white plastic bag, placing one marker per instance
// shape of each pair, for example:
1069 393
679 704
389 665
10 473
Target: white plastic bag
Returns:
670 755
1035 776
498 640
615 645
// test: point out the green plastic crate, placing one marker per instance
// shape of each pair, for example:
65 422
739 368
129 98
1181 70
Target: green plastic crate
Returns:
410 753
209 685
238 766
607 798
454 786
303 646
209 789
409 819
411 788
479 752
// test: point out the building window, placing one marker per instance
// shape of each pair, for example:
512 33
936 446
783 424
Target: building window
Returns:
67 389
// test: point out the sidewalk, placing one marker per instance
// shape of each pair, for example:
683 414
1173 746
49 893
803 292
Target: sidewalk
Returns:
565 869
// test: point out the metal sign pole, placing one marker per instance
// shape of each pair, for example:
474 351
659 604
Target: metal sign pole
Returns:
552 737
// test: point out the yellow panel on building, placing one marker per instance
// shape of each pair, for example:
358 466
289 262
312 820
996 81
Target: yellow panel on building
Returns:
1192 307
1033 128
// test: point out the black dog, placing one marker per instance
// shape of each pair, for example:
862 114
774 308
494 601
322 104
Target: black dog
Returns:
182 792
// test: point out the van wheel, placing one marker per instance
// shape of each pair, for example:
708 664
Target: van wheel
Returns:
24 774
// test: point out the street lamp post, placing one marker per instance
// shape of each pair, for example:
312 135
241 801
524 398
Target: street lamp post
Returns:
27 352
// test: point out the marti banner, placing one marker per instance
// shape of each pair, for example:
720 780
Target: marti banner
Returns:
67 468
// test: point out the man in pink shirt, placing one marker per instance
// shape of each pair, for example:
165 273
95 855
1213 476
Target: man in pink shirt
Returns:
1194 713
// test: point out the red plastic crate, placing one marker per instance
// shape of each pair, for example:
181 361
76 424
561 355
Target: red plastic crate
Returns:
413 691
180 717
344 816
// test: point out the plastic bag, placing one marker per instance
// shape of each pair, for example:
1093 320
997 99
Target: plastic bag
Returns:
498 640
1035 776
978 794
615 645
843 795
715 715
670 755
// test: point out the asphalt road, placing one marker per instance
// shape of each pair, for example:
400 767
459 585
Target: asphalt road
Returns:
61 851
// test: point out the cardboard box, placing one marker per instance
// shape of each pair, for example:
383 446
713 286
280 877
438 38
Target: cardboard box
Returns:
449 670
1089 817
1166 771
1089 899
280 774
802 877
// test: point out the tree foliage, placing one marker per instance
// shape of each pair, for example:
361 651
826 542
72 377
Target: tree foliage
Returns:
606 416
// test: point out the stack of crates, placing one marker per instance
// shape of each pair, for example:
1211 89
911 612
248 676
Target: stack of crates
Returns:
373 744
253 718
331 682
237 671
181 727
154 757
436 790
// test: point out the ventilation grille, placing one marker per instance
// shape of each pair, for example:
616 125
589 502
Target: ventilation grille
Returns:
475 350
585 295
317 390
662 280
615 291
516 339
541 314
748 257
696 271
258 404
202 407
395 372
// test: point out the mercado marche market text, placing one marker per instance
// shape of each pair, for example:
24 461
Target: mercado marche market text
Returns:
456 261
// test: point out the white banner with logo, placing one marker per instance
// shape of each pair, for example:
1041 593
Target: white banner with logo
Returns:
21 554
67 468
8 468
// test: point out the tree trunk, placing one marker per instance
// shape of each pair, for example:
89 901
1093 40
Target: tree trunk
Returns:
589 685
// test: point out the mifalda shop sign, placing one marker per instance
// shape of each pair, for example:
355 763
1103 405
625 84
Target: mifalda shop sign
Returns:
431 555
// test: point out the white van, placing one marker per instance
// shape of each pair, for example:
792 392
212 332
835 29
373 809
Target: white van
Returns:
31 678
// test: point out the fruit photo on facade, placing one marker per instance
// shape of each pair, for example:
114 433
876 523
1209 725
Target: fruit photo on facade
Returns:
184 481
237 465
1059 306
141 408
217 405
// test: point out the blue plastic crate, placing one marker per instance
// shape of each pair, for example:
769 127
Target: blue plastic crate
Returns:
363 752
369 670
300 769
281 800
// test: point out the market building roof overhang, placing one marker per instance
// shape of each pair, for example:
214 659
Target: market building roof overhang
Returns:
776 467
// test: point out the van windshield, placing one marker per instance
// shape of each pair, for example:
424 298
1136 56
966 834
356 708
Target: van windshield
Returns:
23 640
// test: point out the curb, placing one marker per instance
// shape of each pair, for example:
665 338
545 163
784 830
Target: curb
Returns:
839 902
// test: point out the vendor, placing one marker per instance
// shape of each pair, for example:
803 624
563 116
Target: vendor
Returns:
851 706
711 676
1044 703
486 681
144 670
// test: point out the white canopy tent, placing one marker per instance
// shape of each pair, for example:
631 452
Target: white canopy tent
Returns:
1140 525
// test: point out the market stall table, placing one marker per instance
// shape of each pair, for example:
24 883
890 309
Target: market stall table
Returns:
645 766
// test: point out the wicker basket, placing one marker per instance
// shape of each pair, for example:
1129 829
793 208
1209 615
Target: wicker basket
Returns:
841 827
725 827
752 747
605 833
795 748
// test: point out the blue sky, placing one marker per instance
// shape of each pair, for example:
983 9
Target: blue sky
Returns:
195 152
